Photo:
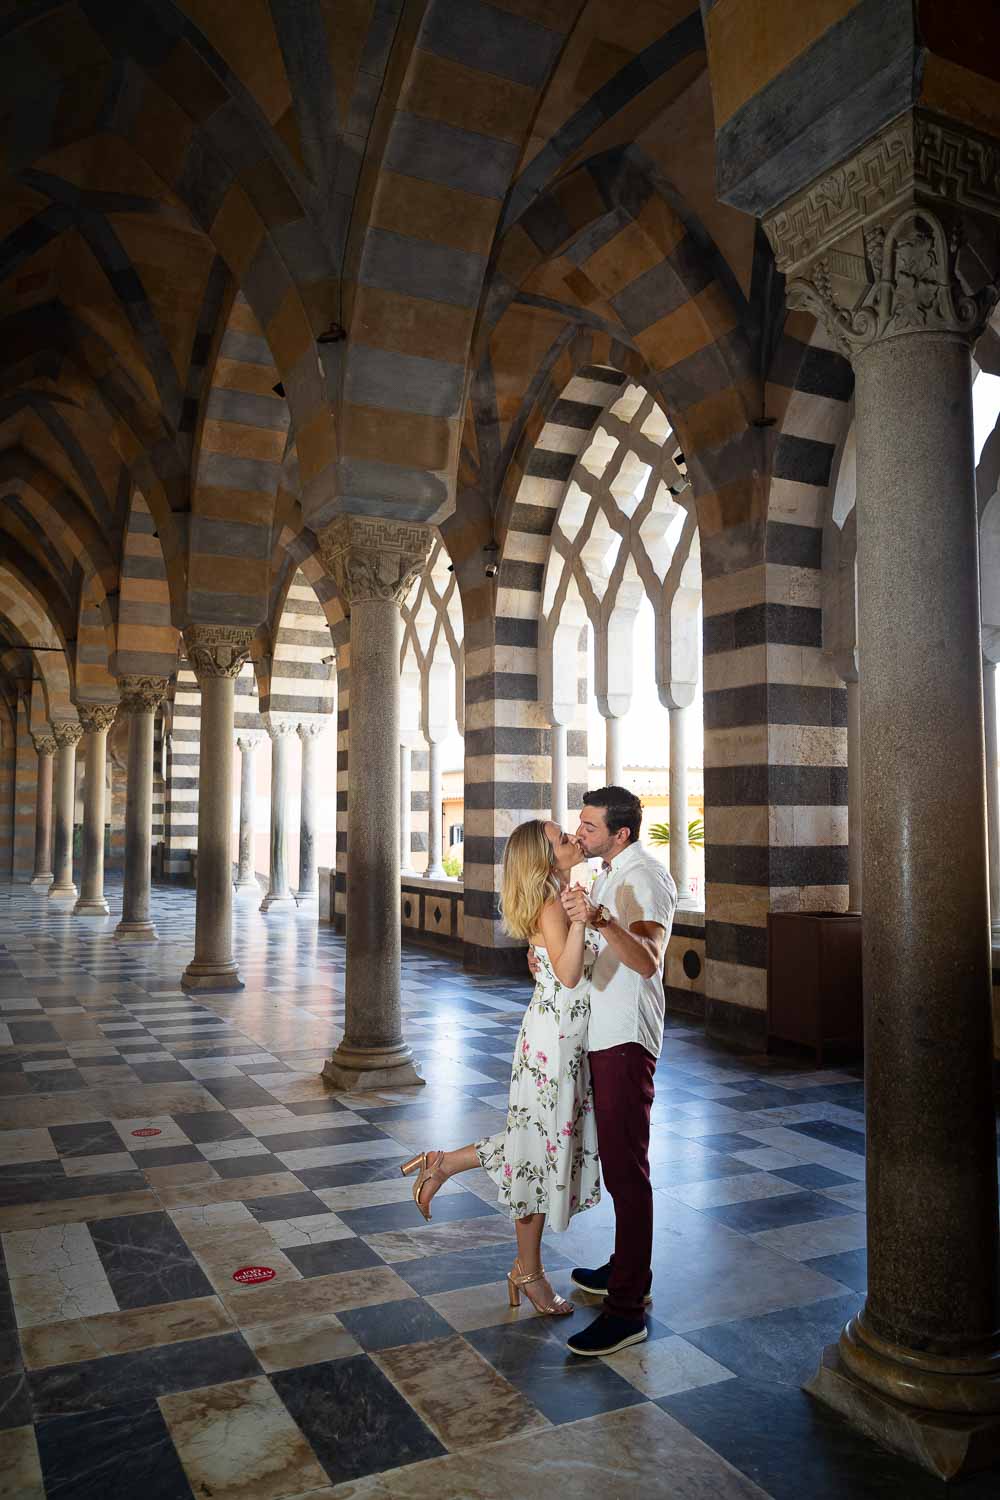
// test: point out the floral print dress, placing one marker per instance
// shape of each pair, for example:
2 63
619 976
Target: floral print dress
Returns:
546 1161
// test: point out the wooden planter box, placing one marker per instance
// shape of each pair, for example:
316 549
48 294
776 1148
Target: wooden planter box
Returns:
814 995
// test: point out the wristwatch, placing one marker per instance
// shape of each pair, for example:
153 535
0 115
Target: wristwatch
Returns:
601 918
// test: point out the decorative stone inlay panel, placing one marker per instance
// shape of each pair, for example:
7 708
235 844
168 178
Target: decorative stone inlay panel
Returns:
67 732
44 744
369 558
141 694
218 650
902 238
96 717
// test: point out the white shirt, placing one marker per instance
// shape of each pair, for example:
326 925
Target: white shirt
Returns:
625 1007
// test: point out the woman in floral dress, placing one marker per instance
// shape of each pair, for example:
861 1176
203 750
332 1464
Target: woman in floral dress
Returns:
545 1160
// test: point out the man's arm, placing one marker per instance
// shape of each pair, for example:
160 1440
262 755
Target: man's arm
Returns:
639 946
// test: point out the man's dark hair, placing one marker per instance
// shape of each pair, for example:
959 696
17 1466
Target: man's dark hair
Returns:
622 809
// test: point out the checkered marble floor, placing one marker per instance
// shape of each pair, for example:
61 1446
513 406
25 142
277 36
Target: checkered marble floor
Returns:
154 1144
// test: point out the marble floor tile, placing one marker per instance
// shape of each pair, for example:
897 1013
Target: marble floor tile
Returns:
805 1242
460 1396
661 1367
111 1454
310 1229
26 1145
89 1385
561 1387
484 1306
20 1469
354 1417
93 1166
147 1260
386 1325
123 1332
287 1345
56 1274
189 1194
720 1191
276 1302
238 1442
444 1239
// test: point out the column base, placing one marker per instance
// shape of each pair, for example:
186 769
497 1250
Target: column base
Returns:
307 898
211 976
435 872
278 903
92 906
246 888
63 893
946 1444
135 932
42 882
354 1070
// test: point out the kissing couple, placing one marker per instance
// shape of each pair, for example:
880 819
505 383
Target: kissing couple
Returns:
581 1085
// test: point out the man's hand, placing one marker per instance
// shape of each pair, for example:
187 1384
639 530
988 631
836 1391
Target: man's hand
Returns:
576 905
534 963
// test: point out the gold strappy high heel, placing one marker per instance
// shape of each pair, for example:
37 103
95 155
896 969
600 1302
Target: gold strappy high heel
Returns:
516 1279
424 1175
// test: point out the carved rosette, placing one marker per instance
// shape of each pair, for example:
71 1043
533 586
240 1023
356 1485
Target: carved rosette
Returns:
902 238
67 732
218 650
311 729
141 695
369 558
44 744
96 717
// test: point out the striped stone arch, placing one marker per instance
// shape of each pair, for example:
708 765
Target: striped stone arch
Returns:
94 652
62 519
296 677
29 617
241 448
170 94
146 640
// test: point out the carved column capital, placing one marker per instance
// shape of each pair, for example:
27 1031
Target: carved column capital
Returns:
903 237
311 729
96 717
218 650
67 732
370 558
141 694
247 743
279 729
44 744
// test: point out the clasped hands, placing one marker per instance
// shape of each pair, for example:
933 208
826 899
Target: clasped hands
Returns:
577 905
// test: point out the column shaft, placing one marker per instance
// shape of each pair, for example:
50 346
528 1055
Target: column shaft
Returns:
136 925
405 808
64 801
213 966
279 892
41 877
855 829
560 776
96 722
614 771
678 790
435 869
246 877
308 887
932 1170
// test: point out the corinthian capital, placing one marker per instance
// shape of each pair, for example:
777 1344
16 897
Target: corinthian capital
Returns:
312 728
904 237
141 694
279 729
67 732
370 558
44 744
96 717
218 650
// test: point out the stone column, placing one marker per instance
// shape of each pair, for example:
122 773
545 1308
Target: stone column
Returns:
97 719
45 748
279 892
678 791
855 829
140 698
919 1367
614 771
435 869
216 653
405 809
560 776
246 877
309 731
67 736
374 564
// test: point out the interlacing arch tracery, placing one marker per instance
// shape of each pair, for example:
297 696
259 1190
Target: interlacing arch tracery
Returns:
431 654
626 529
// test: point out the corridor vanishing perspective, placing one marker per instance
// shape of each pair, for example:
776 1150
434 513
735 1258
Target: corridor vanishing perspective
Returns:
157 1147
416 416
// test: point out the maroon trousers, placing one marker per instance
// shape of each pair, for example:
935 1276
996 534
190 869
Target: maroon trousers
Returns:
622 1079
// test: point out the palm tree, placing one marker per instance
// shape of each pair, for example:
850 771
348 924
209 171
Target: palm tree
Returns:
659 833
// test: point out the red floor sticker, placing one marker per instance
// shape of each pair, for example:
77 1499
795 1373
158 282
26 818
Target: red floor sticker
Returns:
250 1275
148 1130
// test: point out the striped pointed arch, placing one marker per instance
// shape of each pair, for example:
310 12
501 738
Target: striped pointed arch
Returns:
146 639
35 627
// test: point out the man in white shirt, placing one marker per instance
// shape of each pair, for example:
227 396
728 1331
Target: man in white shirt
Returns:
631 907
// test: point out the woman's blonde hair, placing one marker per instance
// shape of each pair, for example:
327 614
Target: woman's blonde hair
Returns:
528 879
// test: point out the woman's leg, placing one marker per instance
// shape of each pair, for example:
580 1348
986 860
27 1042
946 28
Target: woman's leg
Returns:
529 1261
